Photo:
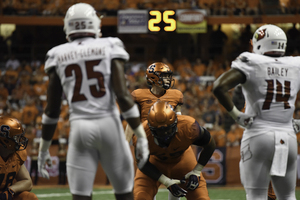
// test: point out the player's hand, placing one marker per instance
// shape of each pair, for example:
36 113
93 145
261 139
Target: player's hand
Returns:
177 191
142 151
296 125
43 158
7 194
172 186
193 177
245 120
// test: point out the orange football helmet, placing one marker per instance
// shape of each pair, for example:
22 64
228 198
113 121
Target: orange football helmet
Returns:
162 121
156 73
12 134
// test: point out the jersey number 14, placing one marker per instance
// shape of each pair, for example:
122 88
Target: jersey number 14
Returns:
279 96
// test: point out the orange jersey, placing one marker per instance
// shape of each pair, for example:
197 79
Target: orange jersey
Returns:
145 99
10 168
187 132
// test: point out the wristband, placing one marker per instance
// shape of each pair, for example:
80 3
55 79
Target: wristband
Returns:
48 120
132 112
178 113
44 145
234 113
163 179
198 168
140 131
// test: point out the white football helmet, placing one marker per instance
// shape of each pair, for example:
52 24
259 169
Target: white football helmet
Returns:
81 18
269 39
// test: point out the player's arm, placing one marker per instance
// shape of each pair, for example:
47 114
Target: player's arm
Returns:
129 109
52 110
24 182
207 142
172 184
49 120
222 85
204 140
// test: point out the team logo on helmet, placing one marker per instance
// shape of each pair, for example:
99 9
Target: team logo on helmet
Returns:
260 34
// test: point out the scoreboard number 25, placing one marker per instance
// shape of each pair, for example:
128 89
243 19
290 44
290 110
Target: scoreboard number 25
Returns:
162 17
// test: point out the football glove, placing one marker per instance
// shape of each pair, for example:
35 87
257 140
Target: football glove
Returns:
296 125
193 177
245 120
142 152
7 194
43 158
172 186
141 148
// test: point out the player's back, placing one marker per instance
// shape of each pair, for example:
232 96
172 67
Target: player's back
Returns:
271 88
84 68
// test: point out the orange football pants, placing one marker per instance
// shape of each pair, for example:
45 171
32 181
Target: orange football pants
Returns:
145 188
25 196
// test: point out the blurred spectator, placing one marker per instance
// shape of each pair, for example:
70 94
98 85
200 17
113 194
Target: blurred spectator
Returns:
219 134
3 92
12 63
217 41
234 136
244 39
199 68
293 44
29 113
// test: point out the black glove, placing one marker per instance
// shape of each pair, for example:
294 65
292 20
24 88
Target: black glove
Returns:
7 194
177 191
193 182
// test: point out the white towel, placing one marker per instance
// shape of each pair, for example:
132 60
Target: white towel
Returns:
280 158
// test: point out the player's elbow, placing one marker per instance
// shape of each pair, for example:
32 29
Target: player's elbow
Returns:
218 88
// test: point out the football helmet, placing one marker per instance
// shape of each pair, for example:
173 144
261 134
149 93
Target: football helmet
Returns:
12 134
155 75
269 39
81 18
162 121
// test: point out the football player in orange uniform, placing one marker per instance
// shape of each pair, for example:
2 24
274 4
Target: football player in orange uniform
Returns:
159 77
15 181
172 161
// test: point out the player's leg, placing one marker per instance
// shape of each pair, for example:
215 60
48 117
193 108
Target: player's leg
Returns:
285 186
25 196
256 153
116 158
82 158
145 188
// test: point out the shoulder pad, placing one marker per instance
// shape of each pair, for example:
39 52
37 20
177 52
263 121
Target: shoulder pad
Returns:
22 155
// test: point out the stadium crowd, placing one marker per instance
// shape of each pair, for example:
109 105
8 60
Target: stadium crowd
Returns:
110 7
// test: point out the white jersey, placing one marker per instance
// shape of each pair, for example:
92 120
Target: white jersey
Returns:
84 68
270 89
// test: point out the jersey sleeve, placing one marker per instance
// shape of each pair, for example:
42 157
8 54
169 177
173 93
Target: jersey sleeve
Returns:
118 49
243 63
51 60
180 97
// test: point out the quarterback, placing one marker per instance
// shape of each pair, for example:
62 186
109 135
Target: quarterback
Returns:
172 161
159 78
270 83
15 181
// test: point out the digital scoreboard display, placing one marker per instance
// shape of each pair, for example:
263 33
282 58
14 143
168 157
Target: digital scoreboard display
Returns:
162 21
